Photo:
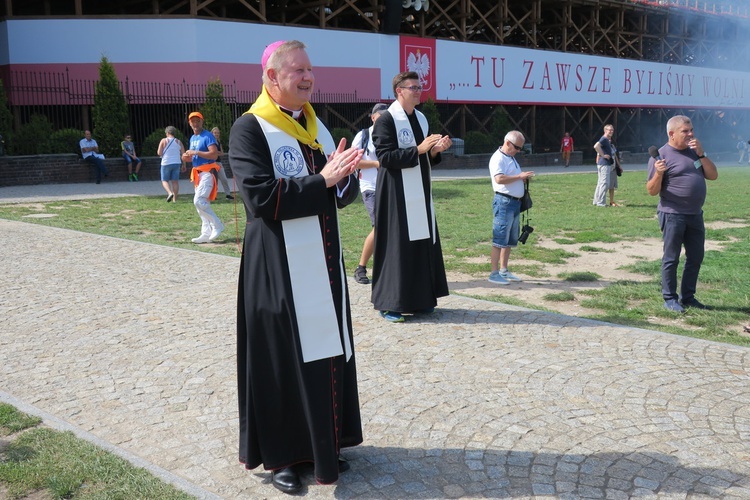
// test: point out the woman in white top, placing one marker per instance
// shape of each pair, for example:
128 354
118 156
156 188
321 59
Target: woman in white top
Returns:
171 151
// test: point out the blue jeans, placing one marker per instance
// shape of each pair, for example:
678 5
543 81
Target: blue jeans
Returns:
679 230
506 221
101 168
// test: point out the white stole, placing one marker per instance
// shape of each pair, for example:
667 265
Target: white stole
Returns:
414 195
319 332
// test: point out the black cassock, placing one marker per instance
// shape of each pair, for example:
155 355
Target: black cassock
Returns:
408 276
290 411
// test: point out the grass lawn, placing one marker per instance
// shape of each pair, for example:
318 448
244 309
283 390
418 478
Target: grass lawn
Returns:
562 211
36 459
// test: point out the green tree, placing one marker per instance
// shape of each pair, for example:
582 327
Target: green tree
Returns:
430 111
110 113
216 112
6 118
499 124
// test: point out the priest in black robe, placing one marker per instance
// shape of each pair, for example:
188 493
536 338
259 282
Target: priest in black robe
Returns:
408 269
296 372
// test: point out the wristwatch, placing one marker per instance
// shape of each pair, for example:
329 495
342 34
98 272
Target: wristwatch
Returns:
702 156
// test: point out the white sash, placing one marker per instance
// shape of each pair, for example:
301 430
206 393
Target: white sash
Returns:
319 332
414 195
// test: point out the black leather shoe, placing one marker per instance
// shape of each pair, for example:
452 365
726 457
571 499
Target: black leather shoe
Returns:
343 465
286 480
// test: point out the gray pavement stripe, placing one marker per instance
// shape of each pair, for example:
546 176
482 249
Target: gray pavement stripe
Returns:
134 344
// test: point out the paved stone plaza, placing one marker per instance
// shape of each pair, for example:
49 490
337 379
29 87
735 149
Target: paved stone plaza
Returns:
132 345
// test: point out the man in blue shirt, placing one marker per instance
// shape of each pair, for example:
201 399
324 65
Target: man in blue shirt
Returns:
678 175
203 153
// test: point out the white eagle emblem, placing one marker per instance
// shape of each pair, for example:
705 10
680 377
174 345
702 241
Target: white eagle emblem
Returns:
420 64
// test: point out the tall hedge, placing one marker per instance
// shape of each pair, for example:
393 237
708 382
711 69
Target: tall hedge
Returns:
430 111
216 112
110 113
6 118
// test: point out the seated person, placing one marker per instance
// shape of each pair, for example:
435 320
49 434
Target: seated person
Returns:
90 153
128 152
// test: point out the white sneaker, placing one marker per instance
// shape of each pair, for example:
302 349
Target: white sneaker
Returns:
201 239
497 279
510 276
216 232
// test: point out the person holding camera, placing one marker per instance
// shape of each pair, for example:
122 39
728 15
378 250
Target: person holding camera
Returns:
605 164
508 184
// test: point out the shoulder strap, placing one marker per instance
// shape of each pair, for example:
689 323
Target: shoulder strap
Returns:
365 138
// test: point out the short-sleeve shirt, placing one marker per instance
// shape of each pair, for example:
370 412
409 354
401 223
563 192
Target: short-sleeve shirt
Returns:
368 177
567 143
128 146
500 163
606 149
683 185
201 142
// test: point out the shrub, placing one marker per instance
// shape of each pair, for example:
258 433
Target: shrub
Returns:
6 118
151 143
67 140
32 137
479 143
338 133
216 112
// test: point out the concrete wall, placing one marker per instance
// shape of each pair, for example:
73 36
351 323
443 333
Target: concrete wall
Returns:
71 169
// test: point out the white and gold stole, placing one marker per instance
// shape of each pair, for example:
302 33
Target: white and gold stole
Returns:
414 195
316 315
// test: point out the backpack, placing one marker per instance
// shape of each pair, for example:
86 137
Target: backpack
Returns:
365 138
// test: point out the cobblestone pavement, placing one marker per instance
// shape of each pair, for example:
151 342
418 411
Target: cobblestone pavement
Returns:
133 344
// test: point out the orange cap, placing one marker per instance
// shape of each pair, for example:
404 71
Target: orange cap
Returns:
195 113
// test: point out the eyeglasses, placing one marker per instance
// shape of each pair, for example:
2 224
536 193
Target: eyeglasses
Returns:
413 88
518 148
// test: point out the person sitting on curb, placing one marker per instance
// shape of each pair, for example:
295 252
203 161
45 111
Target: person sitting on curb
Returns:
128 152
90 153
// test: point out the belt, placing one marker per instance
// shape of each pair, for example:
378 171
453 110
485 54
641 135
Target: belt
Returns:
508 196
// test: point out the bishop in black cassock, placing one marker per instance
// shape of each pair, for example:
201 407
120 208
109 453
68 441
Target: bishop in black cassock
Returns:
296 371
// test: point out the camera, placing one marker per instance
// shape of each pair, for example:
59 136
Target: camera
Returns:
526 230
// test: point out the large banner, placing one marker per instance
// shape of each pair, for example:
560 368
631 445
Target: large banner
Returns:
467 72
192 51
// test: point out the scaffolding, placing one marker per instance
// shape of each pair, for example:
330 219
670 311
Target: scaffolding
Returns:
711 34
